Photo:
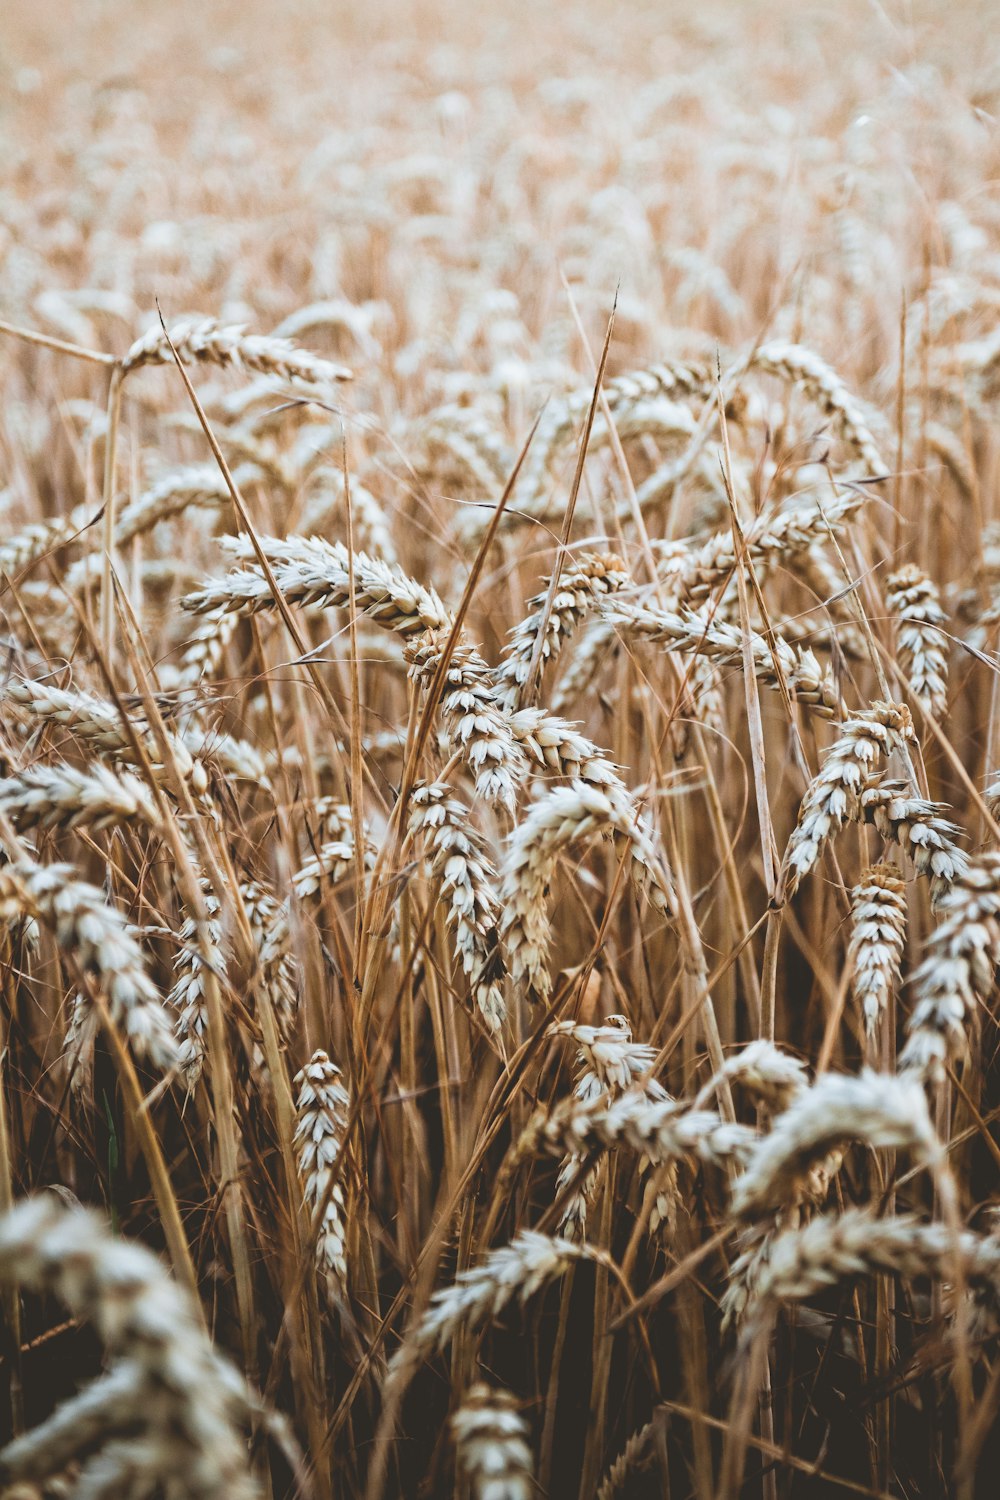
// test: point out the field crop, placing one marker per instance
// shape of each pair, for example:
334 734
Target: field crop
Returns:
499 750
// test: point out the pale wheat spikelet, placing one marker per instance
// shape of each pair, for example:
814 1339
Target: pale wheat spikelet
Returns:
205 647
701 701
554 429
360 320
64 797
678 379
656 419
875 952
991 795
187 995
100 724
368 517
914 602
879 1109
828 1250
233 758
83 1423
565 817
767 1073
554 745
660 1129
205 341
774 539
268 921
607 1061
722 641
182 1412
468 882
384 744
99 940
479 433
37 540
832 797
197 485
559 424
323 1110
513 1272
476 726
78 1044
805 369
333 862
310 571
953 452
828 584
915 826
333 818
956 975
461 441
633 1453
260 461
491 1445
592 577
597 640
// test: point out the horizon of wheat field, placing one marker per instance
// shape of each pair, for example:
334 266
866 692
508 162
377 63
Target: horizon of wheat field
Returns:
499 751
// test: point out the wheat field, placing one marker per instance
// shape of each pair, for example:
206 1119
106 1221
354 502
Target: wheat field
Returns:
500 750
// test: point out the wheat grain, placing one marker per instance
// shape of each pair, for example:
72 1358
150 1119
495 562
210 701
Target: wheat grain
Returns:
97 937
593 577
773 658
804 368
565 817
514 1272
186 1404
957 973
310 571
491 1445
476 726
829 1250
914 602
834 794
208 342
915 825
878 927
459 861
877 1108
322 1109
64 797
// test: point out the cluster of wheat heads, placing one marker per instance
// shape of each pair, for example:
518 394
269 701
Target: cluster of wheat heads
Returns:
499 889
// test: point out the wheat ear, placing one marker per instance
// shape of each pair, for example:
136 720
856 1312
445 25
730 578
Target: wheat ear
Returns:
491 1445
833 796
186 1404
322 1109
205 341
875 952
